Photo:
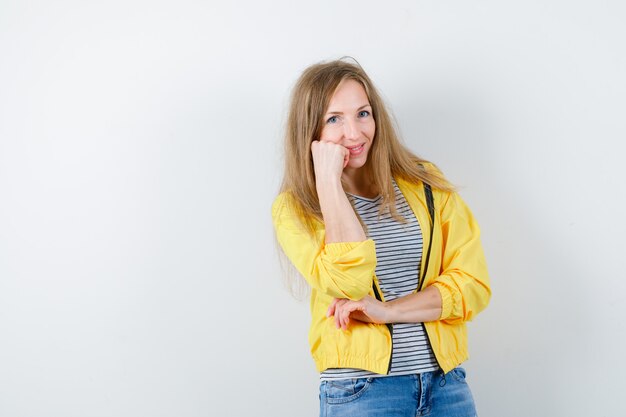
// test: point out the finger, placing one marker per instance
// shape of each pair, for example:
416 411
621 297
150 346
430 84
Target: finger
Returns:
346 319
331 308
339 310
346 310
340 319
337 315
346 158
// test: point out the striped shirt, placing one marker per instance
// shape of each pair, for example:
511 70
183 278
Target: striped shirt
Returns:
398 255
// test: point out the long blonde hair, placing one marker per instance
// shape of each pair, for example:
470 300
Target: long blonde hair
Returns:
388 157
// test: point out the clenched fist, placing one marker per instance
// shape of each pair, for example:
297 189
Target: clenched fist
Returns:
329 159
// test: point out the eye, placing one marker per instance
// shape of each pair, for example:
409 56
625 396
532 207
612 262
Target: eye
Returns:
364 113
332 120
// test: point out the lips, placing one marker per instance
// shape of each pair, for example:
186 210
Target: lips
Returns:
356 150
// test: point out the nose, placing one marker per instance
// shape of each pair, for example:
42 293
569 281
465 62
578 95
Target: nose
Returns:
350 128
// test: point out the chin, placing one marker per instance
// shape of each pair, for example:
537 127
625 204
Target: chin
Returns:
360 161
356 164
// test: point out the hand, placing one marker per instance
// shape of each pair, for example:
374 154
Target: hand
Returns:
368 310
329 159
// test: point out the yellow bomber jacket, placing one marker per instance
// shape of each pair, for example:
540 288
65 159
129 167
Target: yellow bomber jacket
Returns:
347 270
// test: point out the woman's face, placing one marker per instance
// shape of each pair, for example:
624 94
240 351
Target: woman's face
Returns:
349 122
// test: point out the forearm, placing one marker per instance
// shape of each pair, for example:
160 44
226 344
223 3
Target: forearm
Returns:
340 220
419 307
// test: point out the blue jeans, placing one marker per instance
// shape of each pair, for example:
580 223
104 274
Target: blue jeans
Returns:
426 394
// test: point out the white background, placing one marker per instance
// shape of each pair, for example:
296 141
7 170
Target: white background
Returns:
140 151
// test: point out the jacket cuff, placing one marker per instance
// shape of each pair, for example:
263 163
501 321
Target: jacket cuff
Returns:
446 300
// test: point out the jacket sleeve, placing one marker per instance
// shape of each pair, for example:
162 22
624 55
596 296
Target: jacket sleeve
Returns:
341 270
463 281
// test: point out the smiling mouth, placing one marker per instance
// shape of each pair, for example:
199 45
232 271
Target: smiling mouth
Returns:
356 150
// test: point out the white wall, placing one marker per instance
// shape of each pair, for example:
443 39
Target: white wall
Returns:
140 152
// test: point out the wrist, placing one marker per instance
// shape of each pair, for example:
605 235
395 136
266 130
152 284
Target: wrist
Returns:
390 312
328 182
329 191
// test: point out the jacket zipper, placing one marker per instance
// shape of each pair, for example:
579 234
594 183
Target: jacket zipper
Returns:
426 331
431 212
389 327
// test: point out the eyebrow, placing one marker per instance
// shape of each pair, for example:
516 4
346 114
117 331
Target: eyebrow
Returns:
359 109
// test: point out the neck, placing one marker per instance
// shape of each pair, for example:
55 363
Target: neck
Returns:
359 182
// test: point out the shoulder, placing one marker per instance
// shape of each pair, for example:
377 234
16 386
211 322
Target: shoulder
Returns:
283 203
287 210
439 195
280 200
417 187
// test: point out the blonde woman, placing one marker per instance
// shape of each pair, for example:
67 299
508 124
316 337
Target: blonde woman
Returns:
390 251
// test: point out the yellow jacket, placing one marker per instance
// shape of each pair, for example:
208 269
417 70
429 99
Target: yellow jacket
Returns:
347 270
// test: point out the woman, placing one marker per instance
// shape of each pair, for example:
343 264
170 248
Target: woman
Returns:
391 253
